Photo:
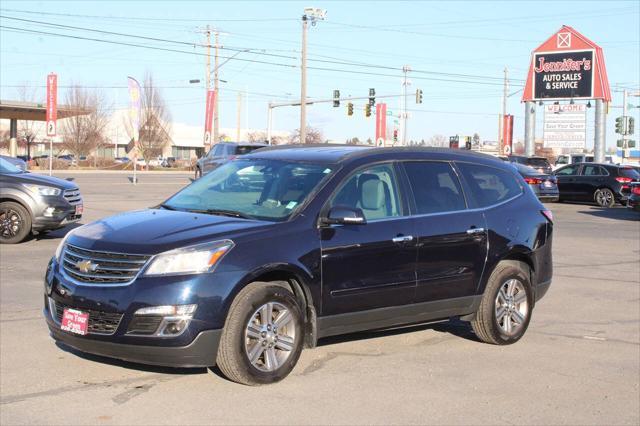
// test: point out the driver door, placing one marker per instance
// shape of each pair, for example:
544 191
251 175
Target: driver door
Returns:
371 265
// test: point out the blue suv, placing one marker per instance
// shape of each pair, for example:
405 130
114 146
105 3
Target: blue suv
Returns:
281 247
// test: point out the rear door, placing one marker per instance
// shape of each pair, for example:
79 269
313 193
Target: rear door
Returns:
568 181
590 179
372 265
452 239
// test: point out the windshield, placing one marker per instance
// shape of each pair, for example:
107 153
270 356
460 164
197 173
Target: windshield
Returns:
7 167
252 188
537 162
629 172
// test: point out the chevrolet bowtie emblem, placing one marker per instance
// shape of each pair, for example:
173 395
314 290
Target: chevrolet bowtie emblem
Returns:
86 266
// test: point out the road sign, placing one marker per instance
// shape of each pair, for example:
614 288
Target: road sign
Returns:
52 104
565 126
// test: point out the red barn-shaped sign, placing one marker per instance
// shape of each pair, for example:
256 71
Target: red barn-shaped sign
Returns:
567 66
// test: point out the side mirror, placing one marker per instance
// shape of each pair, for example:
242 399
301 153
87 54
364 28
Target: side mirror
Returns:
340 215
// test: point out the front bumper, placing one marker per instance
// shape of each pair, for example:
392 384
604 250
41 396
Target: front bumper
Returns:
201 352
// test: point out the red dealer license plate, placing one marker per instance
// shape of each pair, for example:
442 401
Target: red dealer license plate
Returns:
75 321
79 209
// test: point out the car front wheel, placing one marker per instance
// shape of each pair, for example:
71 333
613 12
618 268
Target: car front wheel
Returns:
506 306
263 335
15 223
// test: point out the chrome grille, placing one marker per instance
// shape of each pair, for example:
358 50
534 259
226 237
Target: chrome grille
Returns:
73 196
99 267
99 322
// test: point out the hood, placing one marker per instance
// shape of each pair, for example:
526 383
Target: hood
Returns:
153 231
37 179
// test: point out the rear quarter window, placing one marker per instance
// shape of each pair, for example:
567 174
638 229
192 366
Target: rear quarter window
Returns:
489 185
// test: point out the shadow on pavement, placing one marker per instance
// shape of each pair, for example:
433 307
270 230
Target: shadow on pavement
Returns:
618 213
55 234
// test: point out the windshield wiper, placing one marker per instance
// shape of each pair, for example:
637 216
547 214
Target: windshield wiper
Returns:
167 207
230 213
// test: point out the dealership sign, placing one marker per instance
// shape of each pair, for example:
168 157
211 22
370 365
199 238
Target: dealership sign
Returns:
567 66
565 126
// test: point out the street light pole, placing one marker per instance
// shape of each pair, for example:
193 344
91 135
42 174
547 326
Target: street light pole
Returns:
303 83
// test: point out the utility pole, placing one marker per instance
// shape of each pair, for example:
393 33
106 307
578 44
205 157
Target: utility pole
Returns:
303 83
238 116
313 15
208 79
216 129
505 94
405 113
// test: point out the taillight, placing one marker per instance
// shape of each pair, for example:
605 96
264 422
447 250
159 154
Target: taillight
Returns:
635 190
533 181
547 213
624 179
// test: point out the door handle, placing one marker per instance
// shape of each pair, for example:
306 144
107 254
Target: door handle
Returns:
402 239
475 231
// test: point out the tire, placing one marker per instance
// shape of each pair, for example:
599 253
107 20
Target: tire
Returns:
15 223
604 197
198 173
248 331
489 325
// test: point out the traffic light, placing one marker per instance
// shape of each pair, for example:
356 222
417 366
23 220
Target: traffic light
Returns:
336 98
630 125
367 110
372 98
350 109
419 96
395 135
620 125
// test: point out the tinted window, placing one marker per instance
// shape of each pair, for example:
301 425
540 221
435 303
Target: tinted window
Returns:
490 185
568 171
374 190
241 150
435 187
629 172
593 171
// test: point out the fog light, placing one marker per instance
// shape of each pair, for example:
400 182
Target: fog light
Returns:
175 318
48 212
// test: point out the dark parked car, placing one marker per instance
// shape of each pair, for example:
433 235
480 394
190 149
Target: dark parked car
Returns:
31 202
602 183
634 196
335 239
545 186
221 153
18 162
540 164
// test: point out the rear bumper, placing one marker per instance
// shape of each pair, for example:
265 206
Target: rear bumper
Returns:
549 198
201 352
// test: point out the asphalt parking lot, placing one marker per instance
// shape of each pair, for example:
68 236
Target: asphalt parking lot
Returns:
579 362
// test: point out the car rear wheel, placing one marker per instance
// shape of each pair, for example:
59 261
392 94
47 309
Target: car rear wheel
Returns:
15 223
506 306
604 197
263 335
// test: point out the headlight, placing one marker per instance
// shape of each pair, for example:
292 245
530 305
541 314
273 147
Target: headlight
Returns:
42 190
189 260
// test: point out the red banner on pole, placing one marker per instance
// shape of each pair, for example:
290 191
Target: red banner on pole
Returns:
208 119
52 104
381 124
507 133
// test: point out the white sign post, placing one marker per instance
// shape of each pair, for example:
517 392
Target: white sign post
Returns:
565 126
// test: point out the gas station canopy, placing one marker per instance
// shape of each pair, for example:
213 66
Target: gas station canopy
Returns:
16 110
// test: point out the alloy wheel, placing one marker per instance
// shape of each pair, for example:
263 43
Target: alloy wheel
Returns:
604 197
10 223
511 306
270 336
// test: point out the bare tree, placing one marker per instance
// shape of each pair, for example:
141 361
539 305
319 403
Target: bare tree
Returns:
84 131
438 141
257 136
28 129
313 136
155 121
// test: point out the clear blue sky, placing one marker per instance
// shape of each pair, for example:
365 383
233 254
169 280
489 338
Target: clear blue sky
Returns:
476 38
